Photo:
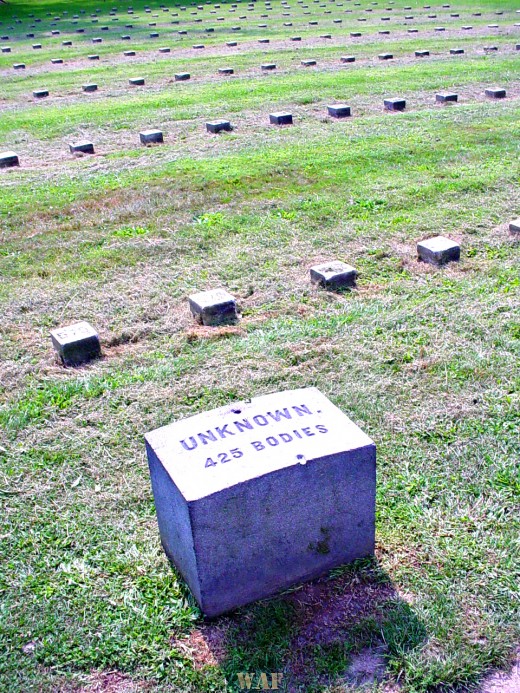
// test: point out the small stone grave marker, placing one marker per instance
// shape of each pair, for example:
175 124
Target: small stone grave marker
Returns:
385 56
182 76
334 275
348 59
136 81
219 126
308 63
514 226
213 308
19 66
89 87
8 159
268 66
40 93
438 250
395 104
446 97
82 148
76 344
280 118
339 111
421 54
496 93
225 71
151 137
456 51
286 479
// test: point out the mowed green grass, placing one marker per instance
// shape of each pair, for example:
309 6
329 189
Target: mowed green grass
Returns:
425 360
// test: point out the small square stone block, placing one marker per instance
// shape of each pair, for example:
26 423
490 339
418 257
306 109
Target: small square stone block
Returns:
93 57
231 44
198 46
212 308
6 49
40 93
308 63
89 87
287 477
395 104
82 147
226 70
182 76
165 49
348 59
456 51
151 136
129 54
355 34
268 66
421 54
76 344
496 93
514 226
37 46
280 118
339 111
385 56
296 38
446 97
19 66
438 250
66 43
136 81
218 126
8 159
334 275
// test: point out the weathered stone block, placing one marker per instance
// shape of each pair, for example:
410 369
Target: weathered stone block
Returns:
348 59
514 226
422 54
231 44
268 66
218 126
93 57
385 56
165 49
82 148
257 496
40 93
6 49
90 87
446 97
128 54
216 307
151 137
19 66
339 111
496 93
334 275
308 63
182 76
56 61
226 70
456 51
438 250
76 344
8 159
280 118
136 81
395 104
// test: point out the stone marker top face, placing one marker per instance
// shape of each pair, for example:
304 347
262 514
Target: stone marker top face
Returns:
439 244
231 445
73 333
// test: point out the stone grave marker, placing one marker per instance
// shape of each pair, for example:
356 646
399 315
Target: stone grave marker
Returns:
151 137
348 59
8 159
334 275
213 308
495 93
446 97
182 76
395 104
438 250
514 226
257 496
82 148
339 110
280 118
219 126
136 81
225 71
76 344
40 93
19 66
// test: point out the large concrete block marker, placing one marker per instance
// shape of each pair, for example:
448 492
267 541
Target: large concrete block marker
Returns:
257 496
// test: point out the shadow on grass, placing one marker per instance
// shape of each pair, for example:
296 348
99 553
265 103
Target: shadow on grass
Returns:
348 628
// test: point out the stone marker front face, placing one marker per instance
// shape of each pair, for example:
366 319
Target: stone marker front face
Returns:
257 496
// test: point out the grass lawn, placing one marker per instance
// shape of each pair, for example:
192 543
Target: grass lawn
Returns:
424 360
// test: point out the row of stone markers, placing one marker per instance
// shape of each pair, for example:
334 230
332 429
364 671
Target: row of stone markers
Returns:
10 159
79 343
304 63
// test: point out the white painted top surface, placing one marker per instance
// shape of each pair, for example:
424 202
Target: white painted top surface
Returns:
74 333
309 426
438 244
213 297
